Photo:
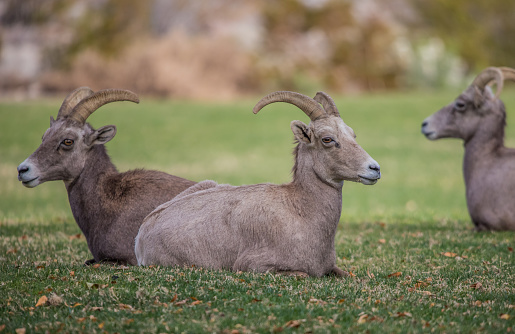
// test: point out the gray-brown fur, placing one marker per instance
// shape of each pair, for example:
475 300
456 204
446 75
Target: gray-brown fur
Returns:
108 206
288 228
478 117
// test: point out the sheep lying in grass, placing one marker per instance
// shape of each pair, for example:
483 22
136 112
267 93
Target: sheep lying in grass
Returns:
108 206
288 228
478 117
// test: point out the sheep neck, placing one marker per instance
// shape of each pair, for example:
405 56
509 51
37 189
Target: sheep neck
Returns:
85 192
481 147
320 200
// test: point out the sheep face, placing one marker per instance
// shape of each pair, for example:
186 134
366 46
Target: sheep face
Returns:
335 154
464 116
63 152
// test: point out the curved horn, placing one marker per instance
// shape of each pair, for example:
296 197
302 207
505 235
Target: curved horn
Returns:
72 100
87 106
328 103
488 75
309 106
508 73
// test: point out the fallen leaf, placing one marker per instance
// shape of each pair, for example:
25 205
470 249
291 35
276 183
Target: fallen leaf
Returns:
371 275
402 314
396 274
182 302
196 302
504 316
55 300
341 301
476 286
255 300
351 274
97 308
173 299
382 241
128 321
96 265
510 249
101 325
12 251
2 327
20 330
125 307
42 301
362 318
449 254
81 319
75 236
76 304
293 324
72 273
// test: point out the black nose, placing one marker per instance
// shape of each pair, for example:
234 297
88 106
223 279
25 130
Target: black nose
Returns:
424 124
22 169
374 167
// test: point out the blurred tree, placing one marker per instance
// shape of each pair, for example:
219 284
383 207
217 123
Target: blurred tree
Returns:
110 26
31 12
480 31
326 42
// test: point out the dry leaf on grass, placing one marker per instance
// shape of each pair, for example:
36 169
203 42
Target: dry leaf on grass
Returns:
449 254
395 274
504 316
42 301
293 324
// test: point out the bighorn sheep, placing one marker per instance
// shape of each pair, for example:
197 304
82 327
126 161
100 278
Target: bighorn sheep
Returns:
288 228
478 117
108 206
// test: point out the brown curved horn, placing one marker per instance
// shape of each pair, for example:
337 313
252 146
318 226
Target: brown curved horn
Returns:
309 106
508 73
72 100
488 75
87 106
328 103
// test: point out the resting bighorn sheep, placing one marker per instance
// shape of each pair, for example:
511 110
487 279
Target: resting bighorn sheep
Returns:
288 228
108 206
478 117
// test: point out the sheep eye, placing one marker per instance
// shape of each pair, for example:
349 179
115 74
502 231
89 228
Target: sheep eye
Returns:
327 140
68 142
460 105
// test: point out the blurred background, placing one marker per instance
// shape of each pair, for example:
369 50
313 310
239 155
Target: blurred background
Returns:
200 66
221 49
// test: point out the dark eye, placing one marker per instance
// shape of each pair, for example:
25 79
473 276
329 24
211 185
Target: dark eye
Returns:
327 140
67 142
460 105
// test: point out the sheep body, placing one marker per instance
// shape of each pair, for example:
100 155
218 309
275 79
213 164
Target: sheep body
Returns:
478 117
108 206
286 228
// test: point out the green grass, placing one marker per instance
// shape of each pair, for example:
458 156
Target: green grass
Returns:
417 264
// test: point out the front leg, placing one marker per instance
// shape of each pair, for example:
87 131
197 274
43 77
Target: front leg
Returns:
338 272
90 262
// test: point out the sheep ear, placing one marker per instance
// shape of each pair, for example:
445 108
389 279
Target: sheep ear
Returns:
52 120
102 135
301 132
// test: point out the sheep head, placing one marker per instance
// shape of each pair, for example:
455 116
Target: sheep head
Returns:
63 151
327 144
472 109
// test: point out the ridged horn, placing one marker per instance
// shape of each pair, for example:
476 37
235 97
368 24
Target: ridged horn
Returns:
309 106
87 106
488 75
72 100
328 103
508 73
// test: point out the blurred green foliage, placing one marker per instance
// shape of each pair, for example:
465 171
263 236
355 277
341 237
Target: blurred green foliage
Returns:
481 32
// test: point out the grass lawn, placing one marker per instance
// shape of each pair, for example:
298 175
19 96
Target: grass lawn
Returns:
416 263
